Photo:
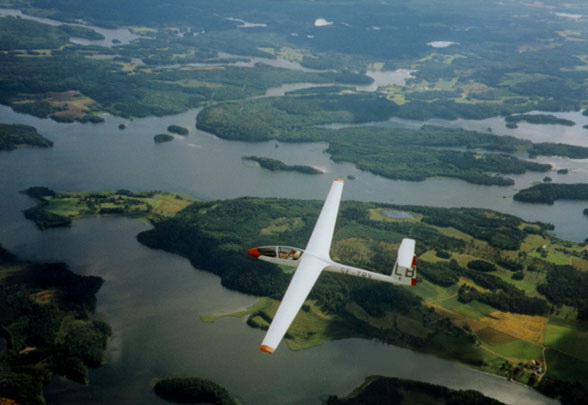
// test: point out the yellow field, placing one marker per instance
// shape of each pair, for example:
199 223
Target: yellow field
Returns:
526 327
167 204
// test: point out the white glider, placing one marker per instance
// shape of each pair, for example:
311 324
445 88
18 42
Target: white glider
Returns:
311 261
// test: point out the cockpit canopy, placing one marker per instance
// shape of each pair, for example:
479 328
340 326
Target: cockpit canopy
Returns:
277 254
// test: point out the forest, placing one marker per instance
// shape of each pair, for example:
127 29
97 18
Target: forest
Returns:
377 389
548 193
484 74
278 165
193 390
15 135
46 320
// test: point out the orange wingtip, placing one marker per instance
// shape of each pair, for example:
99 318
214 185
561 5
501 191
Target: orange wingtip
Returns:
254 252
341 180
413 281
267 349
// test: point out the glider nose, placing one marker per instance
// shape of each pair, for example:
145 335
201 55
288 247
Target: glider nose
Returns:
254 252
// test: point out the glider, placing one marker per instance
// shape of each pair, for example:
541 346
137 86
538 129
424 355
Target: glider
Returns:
311 261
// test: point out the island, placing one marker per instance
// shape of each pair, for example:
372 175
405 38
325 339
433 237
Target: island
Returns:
548 193
277 165
538 119
15 135
176 129
380 390
161 138
55 210
46 321
189 390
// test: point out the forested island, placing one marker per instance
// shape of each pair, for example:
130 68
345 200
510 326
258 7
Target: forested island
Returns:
400 154
538 119
162 138
189 390
15 135
45 318
178 130
277 165
389 390
548 193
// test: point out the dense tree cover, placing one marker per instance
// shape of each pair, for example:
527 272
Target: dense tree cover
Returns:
498 229
275 117
509 301
548 193
161 138
215 235
42 218
397 154
490 72
136 92
13 135
559 149
567 393
481 265
378 389
541 119
80 32
191 390
565 285
45 318
176 129
278 165
440 273
20 34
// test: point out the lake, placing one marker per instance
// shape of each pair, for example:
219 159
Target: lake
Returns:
153 300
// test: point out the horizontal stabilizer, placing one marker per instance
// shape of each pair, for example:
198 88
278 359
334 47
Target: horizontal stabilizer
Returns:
404 271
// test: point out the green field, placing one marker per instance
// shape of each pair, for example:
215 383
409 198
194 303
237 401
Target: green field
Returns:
473 310
519 350
568 337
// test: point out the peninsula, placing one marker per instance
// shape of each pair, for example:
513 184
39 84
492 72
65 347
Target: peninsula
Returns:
548 193
45 319
468 304
15 135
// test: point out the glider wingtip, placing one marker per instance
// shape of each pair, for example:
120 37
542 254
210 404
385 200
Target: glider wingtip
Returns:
267 349
339 180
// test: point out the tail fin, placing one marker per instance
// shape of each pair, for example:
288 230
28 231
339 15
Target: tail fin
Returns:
404 271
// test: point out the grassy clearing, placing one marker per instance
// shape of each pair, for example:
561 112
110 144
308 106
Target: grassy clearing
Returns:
494 337
461 349
280 225
474 310
519 350
562 366
432 292
567 337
